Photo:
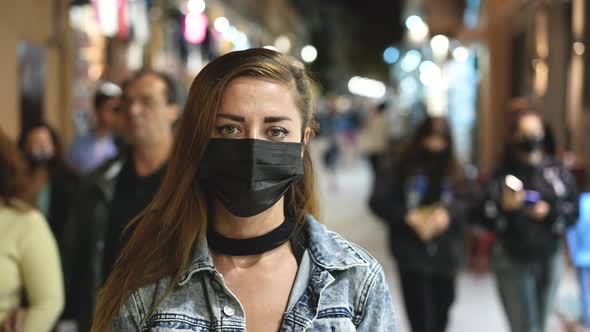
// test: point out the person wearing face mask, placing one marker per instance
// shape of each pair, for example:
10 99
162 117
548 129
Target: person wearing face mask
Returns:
51 189
123 186
229 242
374 139
531 200
53 182
424 204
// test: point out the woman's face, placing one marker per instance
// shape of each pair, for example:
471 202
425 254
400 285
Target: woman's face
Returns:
260 109
39 143
528 139
435 143
530 126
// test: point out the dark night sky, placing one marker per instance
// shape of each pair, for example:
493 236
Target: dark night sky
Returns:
351 36
379 21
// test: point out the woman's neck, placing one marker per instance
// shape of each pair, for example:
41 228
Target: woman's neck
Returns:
39 179
235 227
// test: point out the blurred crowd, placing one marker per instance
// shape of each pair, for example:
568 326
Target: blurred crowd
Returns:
64 213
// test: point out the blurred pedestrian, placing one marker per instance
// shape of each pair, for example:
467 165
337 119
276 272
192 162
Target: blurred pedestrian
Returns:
121 188
92 150
530 202
52 188
374 138
229 241
53 184
332 153
31 284
424 201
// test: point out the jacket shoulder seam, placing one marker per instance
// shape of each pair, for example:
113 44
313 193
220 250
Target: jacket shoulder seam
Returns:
366 290
357 255
138 308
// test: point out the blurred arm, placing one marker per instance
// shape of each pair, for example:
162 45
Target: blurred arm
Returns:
42 276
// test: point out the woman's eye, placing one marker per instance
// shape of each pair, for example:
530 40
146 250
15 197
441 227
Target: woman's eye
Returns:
278 132
228 130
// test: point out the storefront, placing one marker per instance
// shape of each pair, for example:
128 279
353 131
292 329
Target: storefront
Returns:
37 52
73 44
437 75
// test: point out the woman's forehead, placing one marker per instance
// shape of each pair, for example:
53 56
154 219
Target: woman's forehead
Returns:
247 96
530 123
40 133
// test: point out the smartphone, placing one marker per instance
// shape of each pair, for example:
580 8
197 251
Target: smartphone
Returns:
531 197
513 183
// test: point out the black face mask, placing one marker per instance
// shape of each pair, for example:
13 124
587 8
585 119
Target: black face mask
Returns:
249 176
438 155
435 159
38 160
528 144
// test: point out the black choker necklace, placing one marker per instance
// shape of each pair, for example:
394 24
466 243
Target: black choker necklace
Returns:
253 246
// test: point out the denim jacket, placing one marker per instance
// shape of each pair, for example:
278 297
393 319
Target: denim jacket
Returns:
339 287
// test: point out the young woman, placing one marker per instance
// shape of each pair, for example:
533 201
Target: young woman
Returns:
51 189
530 202
428 209
31 285
53 183
229 242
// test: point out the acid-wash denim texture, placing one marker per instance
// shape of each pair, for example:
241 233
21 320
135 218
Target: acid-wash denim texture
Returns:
342 288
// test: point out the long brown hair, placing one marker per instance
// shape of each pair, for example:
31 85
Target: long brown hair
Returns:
177 216
14 178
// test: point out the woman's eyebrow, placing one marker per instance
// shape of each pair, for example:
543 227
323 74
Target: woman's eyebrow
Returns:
273 119
231 117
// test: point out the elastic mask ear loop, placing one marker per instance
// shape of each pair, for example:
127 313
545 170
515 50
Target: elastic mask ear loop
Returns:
303 144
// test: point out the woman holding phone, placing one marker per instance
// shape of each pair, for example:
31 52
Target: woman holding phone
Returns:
530 202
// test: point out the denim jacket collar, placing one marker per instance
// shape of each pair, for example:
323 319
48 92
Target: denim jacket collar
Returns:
200 261
327 249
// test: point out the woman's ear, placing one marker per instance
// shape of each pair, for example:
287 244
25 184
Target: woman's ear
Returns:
306 136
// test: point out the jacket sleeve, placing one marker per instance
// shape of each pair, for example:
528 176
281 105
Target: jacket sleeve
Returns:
386 199
458 219
564 213
489 206
398 202
379 314
42 275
